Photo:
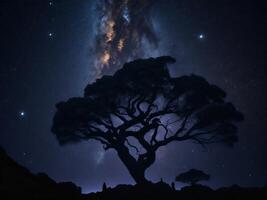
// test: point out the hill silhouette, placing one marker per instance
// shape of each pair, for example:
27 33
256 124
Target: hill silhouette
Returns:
17 182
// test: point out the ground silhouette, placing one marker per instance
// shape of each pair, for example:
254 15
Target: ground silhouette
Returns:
16 182
163 191
141 108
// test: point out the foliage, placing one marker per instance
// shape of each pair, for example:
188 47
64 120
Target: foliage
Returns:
142 108
192 176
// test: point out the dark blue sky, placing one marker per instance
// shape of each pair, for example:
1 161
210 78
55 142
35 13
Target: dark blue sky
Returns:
38 69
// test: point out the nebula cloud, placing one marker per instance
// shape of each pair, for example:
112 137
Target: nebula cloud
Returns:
122 30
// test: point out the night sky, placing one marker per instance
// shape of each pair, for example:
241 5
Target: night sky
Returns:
46 58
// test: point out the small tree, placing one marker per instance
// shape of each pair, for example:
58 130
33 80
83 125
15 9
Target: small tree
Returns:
192 176
104 187
141 108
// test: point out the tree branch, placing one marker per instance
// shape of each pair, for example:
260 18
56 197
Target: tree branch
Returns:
154 135
182 127
130 145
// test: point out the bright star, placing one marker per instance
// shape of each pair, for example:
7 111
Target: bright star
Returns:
51 35
22 113
201 36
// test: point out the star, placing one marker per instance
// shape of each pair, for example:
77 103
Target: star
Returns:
50 3
50 34
22 113
201 36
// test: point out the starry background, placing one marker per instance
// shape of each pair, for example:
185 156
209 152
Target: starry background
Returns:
45 59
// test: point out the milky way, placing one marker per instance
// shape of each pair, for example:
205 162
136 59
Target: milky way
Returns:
122 30
38 70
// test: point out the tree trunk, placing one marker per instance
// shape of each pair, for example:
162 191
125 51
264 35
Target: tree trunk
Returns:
138 175
135 168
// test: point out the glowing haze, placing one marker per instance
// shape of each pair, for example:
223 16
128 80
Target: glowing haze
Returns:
122 30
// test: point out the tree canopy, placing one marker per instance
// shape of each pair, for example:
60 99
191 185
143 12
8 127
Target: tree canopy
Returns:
142 108
192 176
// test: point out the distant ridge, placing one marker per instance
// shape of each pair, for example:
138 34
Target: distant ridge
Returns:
18 182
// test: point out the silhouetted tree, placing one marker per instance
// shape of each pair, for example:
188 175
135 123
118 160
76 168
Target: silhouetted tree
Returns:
104 187
192 176
142 108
